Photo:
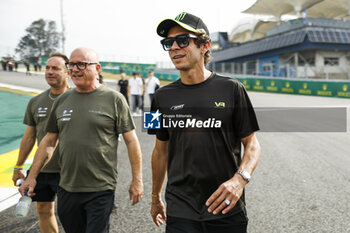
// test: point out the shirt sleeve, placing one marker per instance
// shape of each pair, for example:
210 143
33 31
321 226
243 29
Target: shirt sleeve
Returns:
29 115
51 124
124 122
244 118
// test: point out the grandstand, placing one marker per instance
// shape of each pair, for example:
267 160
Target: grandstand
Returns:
314 45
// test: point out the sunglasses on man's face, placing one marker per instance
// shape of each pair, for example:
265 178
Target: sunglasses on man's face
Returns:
181 40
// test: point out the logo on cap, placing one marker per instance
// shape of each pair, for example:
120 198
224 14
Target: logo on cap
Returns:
181 16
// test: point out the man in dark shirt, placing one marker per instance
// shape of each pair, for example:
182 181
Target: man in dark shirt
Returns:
123 86
205 118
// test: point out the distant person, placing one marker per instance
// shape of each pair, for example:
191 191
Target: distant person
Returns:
27 65
100 79
152 84
135 91
10 65
87 120
143 92
123 84
3 64
200 153
16 65
38 109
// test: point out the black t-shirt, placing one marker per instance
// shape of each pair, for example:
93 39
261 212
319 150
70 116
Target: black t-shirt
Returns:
123 86
204 124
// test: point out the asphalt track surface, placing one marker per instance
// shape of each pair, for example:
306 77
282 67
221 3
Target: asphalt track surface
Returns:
302 182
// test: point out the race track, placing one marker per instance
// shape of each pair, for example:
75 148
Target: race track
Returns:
302 182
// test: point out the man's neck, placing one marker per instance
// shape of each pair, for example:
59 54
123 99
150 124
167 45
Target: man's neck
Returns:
60 90
194 76
88 89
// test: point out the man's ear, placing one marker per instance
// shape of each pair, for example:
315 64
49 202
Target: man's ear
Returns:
98 67
205 47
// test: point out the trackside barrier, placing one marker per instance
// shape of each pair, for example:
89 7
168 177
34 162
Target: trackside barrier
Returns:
128 68
300 87
167 77
272 85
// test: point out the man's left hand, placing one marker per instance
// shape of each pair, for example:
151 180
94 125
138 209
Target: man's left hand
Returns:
226 196
136 191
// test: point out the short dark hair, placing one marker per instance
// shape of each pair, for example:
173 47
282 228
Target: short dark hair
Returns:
203 39
61 55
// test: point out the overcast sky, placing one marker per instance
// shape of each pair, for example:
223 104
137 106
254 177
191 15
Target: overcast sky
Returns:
119 30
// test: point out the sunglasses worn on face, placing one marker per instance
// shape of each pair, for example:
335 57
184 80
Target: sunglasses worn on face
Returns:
80 65
181 40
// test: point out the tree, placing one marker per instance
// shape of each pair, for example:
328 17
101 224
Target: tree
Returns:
41 39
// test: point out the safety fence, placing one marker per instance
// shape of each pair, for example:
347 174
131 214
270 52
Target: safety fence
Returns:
301 87
286 86
128 68
274 85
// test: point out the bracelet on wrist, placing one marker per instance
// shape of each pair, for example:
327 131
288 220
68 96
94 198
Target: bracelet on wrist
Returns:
155 202
18 167
155 195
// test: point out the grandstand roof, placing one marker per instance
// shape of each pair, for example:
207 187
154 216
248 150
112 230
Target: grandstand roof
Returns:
330 9
279 7
315 8
309 22
251 28
321 37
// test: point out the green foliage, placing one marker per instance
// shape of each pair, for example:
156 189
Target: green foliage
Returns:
41 39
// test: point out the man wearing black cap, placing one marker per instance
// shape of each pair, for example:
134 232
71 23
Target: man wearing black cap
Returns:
205 118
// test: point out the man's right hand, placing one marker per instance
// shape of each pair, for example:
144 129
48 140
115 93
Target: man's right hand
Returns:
17 174
158 212
28 186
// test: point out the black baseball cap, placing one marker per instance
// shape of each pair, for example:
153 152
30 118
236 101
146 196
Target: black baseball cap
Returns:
185 20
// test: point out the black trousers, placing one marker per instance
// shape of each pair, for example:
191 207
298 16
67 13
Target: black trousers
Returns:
85 212
233 224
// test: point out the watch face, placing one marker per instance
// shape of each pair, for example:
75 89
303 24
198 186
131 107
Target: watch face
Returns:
246 175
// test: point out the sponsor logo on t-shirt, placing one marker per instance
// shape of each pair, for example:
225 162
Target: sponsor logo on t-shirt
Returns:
177 107
67 112
42 111
219 104
95 111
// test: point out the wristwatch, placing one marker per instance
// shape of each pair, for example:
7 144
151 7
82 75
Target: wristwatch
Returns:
246 176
